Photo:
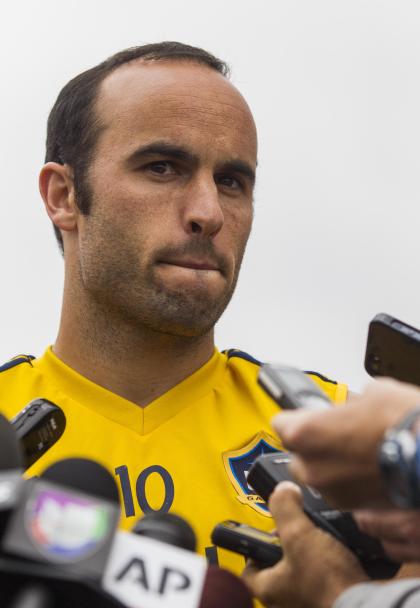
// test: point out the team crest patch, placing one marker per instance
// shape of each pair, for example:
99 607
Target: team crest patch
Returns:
238 462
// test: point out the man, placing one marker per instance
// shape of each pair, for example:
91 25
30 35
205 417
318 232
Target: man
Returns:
151 160
336 451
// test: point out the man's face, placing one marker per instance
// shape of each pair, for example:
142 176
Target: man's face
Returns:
171 184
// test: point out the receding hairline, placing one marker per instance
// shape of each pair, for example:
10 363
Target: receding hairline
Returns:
150 63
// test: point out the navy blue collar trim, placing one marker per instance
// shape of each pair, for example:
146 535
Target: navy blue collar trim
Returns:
234 352
17 361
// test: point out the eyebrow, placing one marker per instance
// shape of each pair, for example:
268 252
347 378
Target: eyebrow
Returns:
163 148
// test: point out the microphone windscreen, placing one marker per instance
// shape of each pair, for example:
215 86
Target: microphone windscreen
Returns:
85 476
10 452
222 589
168 528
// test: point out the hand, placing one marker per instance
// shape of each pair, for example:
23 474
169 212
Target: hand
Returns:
398 530
315 568
335 451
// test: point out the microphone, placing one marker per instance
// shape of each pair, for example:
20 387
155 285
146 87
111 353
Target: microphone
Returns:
10 454
38 427
221 587
85 476
67 518
11 468
167 528
155 568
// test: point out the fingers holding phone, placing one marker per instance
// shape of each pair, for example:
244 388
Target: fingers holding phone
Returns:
301 578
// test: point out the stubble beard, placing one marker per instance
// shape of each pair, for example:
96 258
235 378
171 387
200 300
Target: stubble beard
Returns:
126 295
127 298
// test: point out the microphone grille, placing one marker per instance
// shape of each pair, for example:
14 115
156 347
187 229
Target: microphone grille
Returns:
84 475
168 528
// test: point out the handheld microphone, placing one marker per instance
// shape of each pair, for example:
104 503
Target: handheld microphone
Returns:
168 528
85 476
11 468
10 454
156 568
221 587
38 427
67 517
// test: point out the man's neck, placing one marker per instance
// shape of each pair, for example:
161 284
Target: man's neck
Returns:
138 365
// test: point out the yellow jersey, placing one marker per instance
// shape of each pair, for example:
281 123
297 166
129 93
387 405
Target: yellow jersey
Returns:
187 452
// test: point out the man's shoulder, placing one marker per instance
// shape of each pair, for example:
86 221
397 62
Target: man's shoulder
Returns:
18 360
18 384
336 391
235 354
247 366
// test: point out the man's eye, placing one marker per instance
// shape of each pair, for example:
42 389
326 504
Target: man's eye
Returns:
227 181
161 167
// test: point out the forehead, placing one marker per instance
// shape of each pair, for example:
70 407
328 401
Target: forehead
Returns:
185 101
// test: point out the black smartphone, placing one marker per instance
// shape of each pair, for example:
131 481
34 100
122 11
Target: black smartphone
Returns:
38 426
256 544
291 388
268 470
393 349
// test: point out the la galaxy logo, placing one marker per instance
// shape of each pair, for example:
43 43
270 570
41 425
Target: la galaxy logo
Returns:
238 462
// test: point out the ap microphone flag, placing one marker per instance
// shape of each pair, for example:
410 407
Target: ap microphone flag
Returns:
151 574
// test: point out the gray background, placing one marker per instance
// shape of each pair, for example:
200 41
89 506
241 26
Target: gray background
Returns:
335 90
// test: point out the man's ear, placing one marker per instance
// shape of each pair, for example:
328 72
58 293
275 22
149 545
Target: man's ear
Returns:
57 190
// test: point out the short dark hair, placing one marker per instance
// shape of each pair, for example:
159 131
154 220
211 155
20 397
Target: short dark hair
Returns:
73 128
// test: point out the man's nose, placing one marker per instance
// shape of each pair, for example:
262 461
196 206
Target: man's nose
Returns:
202 213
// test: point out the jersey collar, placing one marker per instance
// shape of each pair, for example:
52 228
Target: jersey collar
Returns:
122 411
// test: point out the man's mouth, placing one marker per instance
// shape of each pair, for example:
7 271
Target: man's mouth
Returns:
195 264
